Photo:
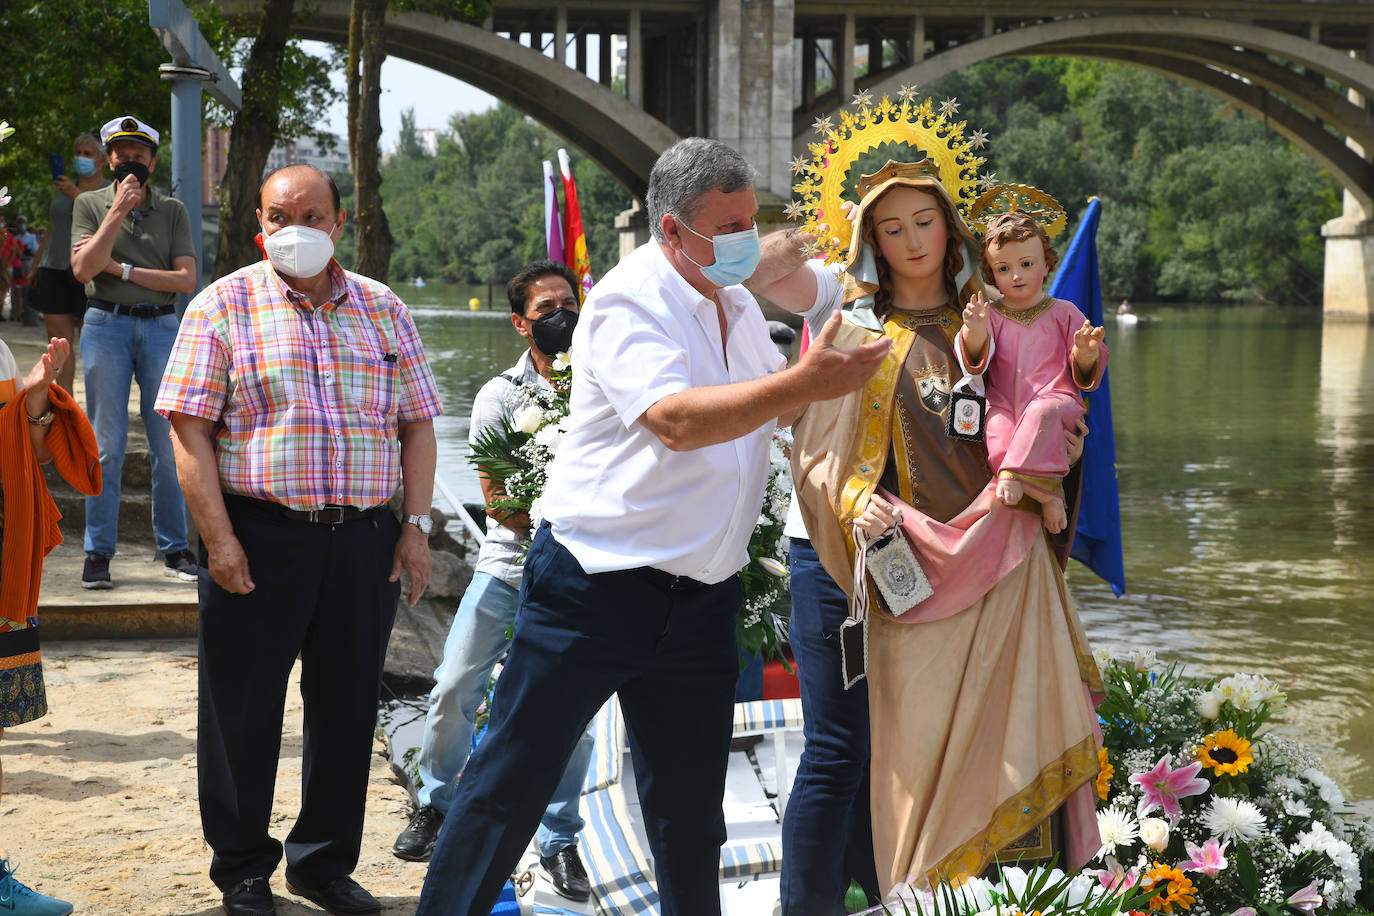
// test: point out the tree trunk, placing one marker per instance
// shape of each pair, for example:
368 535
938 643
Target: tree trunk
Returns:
251 138
366 52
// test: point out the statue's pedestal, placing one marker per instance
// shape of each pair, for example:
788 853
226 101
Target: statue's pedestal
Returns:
1349 285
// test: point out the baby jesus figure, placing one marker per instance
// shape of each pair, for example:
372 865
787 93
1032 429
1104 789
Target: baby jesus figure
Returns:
1039 353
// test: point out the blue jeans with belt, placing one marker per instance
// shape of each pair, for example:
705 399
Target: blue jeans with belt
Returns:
476 641
116 349
670 655
827 833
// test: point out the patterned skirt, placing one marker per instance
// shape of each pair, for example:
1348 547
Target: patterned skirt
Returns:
22 698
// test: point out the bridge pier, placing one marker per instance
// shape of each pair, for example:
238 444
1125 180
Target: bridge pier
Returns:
1348 287
749 101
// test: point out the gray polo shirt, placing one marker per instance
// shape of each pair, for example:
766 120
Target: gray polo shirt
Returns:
150 236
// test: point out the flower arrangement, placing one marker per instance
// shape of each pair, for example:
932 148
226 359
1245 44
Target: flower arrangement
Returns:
519 454
1207 814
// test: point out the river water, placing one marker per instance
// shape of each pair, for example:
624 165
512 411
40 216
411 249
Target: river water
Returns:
1245 458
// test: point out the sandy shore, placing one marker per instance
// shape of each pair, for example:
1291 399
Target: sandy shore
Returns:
99 804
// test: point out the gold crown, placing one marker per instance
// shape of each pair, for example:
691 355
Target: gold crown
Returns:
907 139
1001 199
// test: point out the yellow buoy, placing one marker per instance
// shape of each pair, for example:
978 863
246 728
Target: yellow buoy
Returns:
474 304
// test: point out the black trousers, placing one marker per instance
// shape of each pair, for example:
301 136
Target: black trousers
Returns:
321 594
671 657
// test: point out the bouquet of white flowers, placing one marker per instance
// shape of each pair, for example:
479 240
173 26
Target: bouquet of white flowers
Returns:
1208 814
519 454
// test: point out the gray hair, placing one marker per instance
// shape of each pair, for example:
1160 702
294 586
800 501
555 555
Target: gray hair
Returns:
686 171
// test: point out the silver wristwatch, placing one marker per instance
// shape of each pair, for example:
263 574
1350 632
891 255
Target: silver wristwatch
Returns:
423 522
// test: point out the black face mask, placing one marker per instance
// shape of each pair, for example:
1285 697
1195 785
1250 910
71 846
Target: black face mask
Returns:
129 167
553 333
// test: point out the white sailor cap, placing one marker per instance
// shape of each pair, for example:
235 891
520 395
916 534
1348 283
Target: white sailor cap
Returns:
128 128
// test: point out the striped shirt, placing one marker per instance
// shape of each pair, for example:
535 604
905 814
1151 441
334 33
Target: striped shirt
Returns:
305 400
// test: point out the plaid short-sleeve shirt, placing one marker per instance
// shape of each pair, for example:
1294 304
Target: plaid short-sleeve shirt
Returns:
305 400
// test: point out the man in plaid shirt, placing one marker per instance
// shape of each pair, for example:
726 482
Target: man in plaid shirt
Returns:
299 397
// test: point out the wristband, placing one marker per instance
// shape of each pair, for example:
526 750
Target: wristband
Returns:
43 419
126 268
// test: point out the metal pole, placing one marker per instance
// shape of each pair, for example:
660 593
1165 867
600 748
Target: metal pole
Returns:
186 179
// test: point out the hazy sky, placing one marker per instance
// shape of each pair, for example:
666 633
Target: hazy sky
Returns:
434 96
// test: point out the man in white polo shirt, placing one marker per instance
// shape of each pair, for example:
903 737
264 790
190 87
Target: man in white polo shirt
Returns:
630 585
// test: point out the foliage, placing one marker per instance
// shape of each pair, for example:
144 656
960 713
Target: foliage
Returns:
1242 818
474 211
58 93
519 453
1015 892
1200 201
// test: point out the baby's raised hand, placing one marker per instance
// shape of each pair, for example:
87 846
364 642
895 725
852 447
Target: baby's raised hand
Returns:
1087 343
975 330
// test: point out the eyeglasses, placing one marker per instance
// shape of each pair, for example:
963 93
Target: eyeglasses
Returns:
136 230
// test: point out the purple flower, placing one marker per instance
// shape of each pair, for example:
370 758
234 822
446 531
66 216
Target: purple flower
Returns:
1305 900
1163 787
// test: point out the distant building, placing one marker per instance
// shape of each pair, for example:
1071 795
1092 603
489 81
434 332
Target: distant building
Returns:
213 162
305 151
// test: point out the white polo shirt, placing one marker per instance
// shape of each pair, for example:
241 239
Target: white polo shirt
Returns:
617 497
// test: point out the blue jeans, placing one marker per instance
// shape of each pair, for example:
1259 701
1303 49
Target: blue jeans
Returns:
827 832
114 350
476 642
671 657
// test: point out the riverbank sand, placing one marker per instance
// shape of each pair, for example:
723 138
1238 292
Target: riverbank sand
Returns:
99 799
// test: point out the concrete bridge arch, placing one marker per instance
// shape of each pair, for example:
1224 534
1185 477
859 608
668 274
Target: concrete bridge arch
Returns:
1233 60
617 135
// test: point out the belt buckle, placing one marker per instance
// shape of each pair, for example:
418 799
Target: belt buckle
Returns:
322 516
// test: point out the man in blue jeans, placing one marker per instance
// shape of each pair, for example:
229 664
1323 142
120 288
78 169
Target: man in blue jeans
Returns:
544 311
132 247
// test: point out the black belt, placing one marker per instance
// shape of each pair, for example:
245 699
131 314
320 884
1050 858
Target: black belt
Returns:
669 582
136 310
329 515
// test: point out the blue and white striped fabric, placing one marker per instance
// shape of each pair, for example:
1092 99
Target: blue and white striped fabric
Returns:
759 717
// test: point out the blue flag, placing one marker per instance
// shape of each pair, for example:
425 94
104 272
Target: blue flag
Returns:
1097 542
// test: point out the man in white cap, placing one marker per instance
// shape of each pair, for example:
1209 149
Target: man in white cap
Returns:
132 247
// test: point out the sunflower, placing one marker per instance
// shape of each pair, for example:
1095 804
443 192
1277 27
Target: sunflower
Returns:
1171 887
1226 753
1104 774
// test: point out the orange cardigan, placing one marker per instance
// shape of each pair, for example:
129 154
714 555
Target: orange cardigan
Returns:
30 514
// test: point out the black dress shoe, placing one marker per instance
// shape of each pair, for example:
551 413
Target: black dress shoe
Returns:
250 897
341 896
416 842
567 875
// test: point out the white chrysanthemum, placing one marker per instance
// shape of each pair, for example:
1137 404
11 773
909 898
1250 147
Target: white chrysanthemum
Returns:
1116 828
1326 788
1209 704
1234 819
1296 808
550 437
1287 785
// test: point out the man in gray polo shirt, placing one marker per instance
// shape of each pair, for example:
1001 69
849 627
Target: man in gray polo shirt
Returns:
133 249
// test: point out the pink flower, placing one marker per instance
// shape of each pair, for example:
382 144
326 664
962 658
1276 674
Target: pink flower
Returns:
1118 879
1209 858
1306 899
1163 787
1245 911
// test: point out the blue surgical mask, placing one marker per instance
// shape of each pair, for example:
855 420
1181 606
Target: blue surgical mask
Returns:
737 256
84 165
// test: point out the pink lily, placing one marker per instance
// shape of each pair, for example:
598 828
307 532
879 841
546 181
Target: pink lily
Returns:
1163 787
1118 879
1245 911
1305 900
1209 858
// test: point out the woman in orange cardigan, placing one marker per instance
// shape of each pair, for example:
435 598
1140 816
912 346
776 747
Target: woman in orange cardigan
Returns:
39 422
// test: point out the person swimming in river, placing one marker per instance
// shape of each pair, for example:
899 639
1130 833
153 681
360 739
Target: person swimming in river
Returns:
1039 354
